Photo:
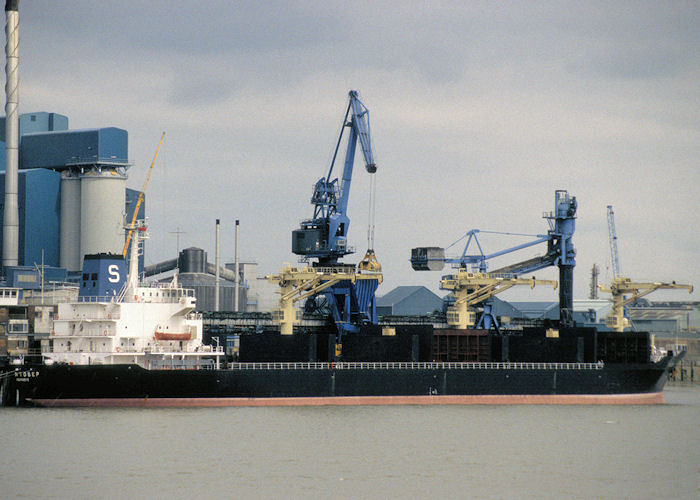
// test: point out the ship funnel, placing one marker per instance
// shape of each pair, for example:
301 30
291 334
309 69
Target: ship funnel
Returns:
10 231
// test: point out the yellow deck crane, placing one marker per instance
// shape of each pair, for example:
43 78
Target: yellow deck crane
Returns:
139 202
621 288
300 283
471 289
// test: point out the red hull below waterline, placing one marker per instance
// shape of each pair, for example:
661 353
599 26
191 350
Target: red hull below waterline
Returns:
553 399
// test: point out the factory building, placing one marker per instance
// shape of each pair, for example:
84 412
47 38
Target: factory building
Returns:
38 201
194 271
72 191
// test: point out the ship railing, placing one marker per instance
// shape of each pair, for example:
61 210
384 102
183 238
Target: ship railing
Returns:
97 298
99 316
435 365
160 349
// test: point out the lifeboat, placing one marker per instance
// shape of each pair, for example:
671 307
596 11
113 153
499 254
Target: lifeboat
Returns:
172 335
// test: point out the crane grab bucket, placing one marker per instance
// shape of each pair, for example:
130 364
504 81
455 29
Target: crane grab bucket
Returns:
427 258
370 263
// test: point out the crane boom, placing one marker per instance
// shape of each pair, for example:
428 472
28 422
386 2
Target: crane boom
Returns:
140 199
614 256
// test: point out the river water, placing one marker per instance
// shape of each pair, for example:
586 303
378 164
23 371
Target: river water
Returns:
356 452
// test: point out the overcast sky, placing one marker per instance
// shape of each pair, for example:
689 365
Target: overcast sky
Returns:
479 112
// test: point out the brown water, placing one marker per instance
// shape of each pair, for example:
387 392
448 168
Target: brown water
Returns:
356 452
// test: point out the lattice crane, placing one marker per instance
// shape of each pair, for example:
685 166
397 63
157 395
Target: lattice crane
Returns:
612 234
142 194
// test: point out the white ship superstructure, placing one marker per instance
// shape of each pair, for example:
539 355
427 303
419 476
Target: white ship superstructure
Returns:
154 326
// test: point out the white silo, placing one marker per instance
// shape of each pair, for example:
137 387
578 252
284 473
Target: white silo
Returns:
70 220
102 201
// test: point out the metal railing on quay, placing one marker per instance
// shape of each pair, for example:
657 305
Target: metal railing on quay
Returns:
388 365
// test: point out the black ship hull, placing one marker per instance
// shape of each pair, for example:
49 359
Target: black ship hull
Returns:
260 384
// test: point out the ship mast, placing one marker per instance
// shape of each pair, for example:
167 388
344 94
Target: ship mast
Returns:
139 230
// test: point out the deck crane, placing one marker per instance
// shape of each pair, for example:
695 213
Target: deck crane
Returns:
622 287
473 289
474 286
349 292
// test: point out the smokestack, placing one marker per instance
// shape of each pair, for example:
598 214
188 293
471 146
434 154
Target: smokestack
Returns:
216 288
10 230
237 279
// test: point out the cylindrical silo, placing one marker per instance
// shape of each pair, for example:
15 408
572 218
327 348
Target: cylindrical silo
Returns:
70 220
102 201
192 260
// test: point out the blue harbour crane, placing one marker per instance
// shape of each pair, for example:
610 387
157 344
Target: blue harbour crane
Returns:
324 237
349 293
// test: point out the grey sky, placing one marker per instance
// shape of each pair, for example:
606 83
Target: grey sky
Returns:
479 111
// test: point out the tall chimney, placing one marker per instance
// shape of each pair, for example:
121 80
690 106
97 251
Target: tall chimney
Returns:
216 288
10 228
237 279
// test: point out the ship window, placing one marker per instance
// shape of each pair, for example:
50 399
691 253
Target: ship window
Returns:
86 276
94 276
68 345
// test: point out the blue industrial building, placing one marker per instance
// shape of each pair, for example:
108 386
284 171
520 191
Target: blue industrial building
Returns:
38 195
29 277
74 148
31 123
38 198
47 148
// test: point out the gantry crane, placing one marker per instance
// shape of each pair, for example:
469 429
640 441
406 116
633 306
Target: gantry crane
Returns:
622 286
467 285
349 291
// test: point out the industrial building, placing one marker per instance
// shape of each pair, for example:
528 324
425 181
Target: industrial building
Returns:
72 193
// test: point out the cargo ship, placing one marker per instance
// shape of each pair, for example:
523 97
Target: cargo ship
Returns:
129 344
123 343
